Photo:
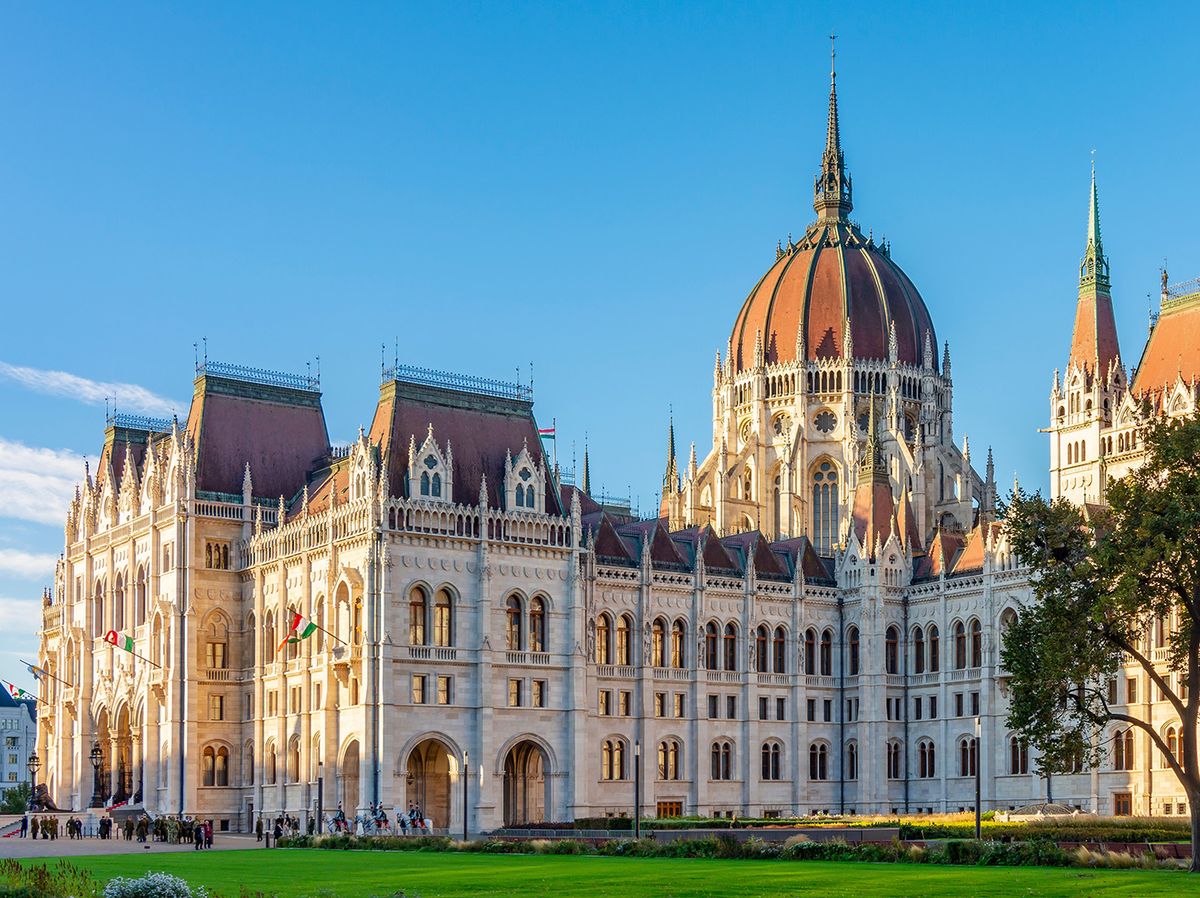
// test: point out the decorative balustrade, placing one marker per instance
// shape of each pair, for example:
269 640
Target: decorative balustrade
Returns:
266 377
538 659
432 653
970 673
725 676
773 679
222 675
463 383
672 674
925 679
822 682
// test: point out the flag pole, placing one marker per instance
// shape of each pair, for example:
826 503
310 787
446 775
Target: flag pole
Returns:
44 672
19 689
136 655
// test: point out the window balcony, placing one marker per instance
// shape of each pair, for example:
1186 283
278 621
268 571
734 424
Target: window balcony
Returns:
537 659
432 653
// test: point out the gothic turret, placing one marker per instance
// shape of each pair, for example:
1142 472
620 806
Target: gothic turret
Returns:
832 193
1094 341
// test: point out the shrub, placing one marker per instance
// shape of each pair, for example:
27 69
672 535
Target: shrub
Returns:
152 885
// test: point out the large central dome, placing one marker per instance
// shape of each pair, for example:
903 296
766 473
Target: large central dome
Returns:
832 277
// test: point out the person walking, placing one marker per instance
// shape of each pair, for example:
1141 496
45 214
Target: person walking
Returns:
258 828
198 834
24 824
208 834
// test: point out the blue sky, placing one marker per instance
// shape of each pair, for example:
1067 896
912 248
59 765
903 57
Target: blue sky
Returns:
593 189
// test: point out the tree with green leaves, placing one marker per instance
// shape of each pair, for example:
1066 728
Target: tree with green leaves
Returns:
1114 587
15 800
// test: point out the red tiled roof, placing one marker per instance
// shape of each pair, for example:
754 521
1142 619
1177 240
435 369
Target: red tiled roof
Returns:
1094 340
834 273
481 431
1173 349
280 432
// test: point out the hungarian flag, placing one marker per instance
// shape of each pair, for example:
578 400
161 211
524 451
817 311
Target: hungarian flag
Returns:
301 628
546 433
17 692
112 637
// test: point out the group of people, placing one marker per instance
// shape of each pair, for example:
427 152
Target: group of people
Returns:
46 827
376 822
283 825
180 830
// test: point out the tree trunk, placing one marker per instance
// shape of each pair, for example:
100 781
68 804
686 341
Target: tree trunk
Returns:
1194 804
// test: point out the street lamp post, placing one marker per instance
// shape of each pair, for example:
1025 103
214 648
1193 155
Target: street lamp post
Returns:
637 788
978 775
466 786
33 764
320 797
96 757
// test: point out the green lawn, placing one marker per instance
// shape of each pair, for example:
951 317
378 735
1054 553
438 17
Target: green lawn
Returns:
349 874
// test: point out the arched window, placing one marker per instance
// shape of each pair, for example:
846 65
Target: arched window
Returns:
818 762
140 597
269 645
293 760
604 639
852 761
918 651
810 651
827 653
966 756
443 619
976 644
711 656
658 642
612 759
722 760
678 633
512 621
780 651
771 754
216 646
425 483
935 663
748 486
1123 756
960 646
537 625
926 767
624 650
208 771
119 603
668 760
825 507
222 767
319 636
893 760
269 759
1018 755
98 627
248 764
730 642
761 646
1174 745
520 496
852 645
891 650
436 485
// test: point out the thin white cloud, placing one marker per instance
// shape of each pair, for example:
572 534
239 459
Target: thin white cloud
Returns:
29 565
126 397
20 619
36 484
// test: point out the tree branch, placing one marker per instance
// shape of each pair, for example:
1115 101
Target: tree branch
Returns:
1119 640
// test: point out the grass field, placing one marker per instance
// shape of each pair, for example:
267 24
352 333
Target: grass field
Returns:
296 873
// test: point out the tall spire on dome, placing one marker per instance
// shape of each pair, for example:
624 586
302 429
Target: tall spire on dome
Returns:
832 188
1094 344
671 475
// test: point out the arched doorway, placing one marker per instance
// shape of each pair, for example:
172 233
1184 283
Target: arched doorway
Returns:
349 779
431 775
525 784
100 785
122 763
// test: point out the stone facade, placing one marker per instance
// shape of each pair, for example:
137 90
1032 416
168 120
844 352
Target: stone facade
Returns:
812 624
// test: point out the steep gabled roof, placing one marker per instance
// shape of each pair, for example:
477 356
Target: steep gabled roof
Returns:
801 553
608 544
663 550
753 545
279 431
482 431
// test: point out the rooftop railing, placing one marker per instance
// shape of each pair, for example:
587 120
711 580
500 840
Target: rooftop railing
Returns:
305 382
139 422
463 383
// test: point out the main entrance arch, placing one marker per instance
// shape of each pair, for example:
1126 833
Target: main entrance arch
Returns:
430 777
526 783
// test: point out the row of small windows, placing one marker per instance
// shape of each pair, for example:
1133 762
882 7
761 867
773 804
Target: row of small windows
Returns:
122 615
525 626
425 619
1076 452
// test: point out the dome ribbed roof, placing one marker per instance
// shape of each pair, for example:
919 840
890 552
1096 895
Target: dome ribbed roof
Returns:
832 277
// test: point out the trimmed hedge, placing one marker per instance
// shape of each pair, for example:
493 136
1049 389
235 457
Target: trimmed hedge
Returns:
1035 852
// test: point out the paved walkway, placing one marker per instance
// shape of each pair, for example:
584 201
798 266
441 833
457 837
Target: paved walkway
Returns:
59 848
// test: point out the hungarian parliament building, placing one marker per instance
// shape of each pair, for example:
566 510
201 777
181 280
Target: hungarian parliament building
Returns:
810 625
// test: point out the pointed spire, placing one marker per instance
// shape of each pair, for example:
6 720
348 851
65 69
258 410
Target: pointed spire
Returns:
927 353
872 465
587 476
946 360
1093 270
832 188
671 475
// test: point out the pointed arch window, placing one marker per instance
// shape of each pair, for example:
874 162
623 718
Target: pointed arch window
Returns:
935 663
721 757
825 507
658 642
818 762
771 760
730 644
443 619
711 655
926 766
918 653
976 644
891 653
668 760
537 625
960 646
852 761
779 655
761 645
827 653
512 619
624 648
1018 755
810 651
604 640
418 607
967 756
852 651
678 634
